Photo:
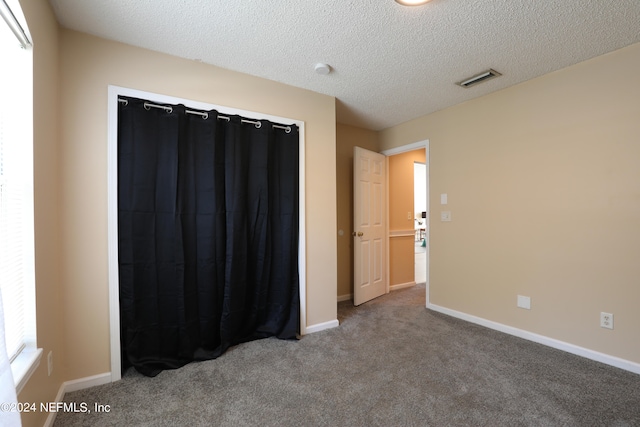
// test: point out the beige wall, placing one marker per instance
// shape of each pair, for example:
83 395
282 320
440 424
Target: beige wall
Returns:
401 261
348 137
401 216
544 188
49 309
88 66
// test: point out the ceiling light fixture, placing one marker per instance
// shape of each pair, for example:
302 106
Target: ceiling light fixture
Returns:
412 2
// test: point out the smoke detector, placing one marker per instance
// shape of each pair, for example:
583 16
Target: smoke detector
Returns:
323 69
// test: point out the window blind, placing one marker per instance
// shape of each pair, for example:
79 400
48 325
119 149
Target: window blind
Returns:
11 244
16 193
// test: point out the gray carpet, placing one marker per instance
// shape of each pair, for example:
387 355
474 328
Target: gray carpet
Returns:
390 363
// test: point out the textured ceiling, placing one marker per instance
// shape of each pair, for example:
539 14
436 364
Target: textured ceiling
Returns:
390 63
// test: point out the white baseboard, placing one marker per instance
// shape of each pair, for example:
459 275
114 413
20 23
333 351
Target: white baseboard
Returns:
401 286
82 383
75 385
52 415
627 365
346 297
322 326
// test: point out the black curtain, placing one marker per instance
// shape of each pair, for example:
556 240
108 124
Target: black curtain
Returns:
208 233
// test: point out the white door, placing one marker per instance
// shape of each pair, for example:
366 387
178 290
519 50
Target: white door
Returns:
369 225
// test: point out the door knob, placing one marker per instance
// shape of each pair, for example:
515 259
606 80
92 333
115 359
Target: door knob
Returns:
360 234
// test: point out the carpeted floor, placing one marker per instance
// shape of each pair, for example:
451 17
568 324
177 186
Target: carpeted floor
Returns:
390 363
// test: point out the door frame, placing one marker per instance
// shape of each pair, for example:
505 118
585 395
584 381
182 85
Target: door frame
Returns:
399 150
112 203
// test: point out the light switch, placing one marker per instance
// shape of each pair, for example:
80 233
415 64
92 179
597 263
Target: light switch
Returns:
443 199
445 216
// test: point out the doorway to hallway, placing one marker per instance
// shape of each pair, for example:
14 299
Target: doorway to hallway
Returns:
408 258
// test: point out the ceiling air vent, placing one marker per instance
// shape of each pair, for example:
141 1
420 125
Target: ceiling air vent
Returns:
479 78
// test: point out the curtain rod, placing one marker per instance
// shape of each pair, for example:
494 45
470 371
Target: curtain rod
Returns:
204 115
14 25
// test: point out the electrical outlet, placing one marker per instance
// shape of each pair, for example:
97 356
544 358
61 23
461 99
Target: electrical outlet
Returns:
606 320
445 216
50 362
524 302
